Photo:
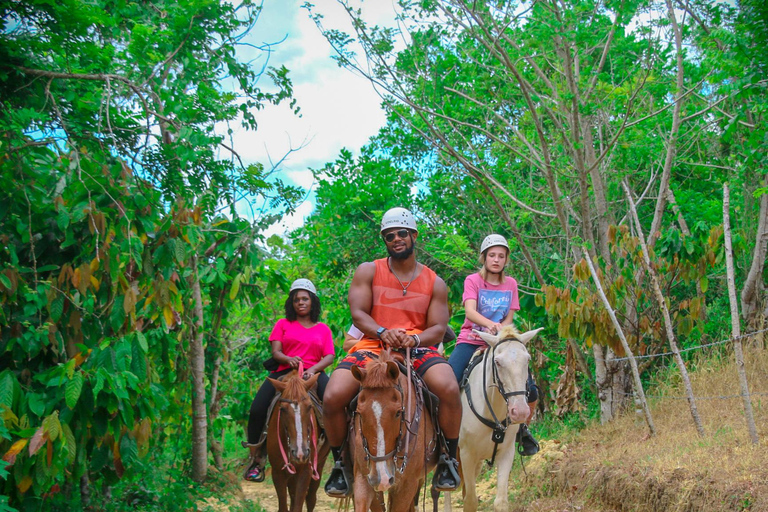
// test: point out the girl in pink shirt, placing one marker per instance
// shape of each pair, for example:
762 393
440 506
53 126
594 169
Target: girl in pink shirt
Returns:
490 301
297 338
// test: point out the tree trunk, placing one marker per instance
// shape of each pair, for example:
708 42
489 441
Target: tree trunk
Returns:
752 292
665 314
735 325
669 158
216 447
635 373
197 365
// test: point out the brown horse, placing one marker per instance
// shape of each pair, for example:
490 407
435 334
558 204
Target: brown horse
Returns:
393 439
296 450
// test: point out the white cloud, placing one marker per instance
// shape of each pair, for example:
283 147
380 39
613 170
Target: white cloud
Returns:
290 222
337 108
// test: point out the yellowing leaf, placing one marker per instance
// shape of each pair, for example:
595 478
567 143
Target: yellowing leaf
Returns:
168 315
25 484
10 455
94 265
95 283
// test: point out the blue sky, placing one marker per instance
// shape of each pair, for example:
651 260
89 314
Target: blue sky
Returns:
338 109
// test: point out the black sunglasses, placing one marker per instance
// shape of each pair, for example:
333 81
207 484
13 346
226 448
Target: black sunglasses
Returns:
401 233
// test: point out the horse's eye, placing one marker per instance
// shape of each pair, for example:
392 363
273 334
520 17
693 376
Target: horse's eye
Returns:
398 413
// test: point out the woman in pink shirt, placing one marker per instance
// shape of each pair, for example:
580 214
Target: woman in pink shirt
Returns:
490 301
297 338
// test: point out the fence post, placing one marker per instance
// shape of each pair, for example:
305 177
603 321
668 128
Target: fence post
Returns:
735 322
665 313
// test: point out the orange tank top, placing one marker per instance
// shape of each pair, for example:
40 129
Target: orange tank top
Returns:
394 310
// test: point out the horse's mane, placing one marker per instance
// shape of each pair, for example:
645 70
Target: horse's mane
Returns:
294 389
508 331
376 375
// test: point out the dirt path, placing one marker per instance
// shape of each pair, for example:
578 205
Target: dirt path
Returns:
264 495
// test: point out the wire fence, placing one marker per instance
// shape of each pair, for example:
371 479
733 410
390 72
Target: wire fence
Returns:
662 354
697 397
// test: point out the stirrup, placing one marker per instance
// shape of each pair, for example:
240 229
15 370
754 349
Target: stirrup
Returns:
333 491
526 444
450 466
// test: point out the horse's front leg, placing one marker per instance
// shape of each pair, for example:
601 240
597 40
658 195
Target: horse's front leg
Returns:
280 479
300 487
471 468
363 492
504 465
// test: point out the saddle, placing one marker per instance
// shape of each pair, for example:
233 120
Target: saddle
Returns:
317 405
428 400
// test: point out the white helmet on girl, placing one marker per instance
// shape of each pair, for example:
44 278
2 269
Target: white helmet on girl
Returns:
493 240
303 284
398 218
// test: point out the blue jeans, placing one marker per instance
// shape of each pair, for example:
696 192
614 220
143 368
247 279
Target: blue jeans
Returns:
460 357
459 361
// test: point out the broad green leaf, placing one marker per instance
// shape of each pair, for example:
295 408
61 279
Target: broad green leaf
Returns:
704 282
57 308
73 389
69 442
99 384
142 341
52 426
235 287
7 382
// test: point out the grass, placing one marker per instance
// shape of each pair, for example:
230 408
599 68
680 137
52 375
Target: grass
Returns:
618 466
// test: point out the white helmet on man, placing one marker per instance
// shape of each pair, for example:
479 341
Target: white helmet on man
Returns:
398 218
303 284
493 240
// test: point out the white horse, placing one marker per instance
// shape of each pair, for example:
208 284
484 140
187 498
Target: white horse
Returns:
493 407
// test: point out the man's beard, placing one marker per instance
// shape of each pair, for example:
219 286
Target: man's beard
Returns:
404 254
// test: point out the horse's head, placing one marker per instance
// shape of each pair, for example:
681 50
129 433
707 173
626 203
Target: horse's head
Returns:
296 423
379 418
510 368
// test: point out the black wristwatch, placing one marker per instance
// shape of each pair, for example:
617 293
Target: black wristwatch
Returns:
380 331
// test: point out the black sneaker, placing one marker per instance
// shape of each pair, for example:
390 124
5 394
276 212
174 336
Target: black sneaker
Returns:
526 444
446 477
337 485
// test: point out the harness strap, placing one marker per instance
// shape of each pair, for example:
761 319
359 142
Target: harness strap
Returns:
499 428
287 466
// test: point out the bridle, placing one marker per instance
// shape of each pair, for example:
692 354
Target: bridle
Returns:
398 442
499 427
288 466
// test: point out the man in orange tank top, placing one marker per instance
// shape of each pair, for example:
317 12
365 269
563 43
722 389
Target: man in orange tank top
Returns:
396 302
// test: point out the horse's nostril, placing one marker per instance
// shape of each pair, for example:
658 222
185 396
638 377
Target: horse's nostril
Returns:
391 480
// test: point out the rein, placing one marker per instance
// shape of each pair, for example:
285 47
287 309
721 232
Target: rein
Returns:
408 419
288 466
499 427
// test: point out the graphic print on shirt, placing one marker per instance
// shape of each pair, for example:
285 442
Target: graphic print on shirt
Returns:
493 304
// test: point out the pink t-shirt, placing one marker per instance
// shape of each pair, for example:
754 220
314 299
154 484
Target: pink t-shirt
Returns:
311 345
494 301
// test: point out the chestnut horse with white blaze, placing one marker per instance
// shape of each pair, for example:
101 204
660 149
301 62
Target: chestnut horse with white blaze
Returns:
494 405
393 442
296 450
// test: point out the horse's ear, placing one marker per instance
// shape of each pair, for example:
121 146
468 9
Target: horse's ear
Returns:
279 384
487 337
525 337
357 373
393 371
311 381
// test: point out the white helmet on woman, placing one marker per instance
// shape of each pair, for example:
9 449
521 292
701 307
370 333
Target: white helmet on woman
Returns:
303 284
398 218
493 240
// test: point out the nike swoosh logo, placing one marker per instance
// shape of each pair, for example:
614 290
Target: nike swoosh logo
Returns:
386 301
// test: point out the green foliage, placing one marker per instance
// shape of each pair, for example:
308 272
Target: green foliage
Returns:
111 184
